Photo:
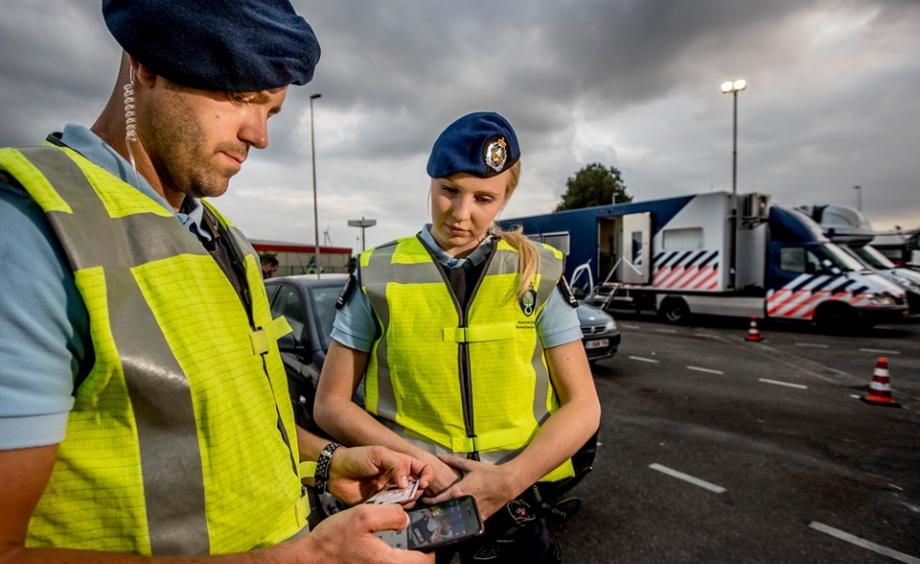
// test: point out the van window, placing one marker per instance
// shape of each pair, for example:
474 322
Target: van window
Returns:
685 239
792 259
797 259
637 248
558 240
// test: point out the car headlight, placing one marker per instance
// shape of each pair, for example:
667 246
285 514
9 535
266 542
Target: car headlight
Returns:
880 299
610 326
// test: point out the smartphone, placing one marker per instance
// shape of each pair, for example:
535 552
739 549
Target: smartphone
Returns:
433 526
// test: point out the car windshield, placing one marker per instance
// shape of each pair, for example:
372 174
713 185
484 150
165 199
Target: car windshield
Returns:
841 259
324 298
871 255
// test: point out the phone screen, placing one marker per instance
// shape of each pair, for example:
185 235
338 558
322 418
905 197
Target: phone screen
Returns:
437 525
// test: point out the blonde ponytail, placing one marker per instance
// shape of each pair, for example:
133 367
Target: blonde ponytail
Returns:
528 258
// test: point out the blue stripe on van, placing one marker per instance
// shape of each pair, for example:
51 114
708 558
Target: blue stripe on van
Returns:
698 256
709 259
805 282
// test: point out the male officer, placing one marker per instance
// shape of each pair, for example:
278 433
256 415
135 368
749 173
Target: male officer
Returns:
149 340
269 265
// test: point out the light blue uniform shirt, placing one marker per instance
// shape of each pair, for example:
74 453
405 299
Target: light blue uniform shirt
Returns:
44 328
354 324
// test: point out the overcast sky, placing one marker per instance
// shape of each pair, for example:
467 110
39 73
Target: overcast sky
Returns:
833 100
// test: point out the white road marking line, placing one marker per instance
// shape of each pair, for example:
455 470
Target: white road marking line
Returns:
643 359
673 331
813 345
778 383
627 326
854 396
710 335
687 478
706 370
880 351
853 539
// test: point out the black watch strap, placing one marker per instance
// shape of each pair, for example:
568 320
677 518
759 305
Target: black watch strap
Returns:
323 466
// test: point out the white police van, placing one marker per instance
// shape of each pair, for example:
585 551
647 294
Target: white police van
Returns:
851 229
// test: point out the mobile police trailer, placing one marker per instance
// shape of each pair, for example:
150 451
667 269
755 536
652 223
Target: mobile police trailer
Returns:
695 254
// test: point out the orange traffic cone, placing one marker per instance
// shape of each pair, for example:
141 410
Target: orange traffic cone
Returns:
753 335
879 392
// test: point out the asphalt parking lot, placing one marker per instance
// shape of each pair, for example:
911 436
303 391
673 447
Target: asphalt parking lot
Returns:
719 450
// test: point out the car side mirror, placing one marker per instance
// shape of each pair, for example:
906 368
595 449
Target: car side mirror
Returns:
289 344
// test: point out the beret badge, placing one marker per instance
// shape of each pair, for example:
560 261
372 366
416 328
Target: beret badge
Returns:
496 153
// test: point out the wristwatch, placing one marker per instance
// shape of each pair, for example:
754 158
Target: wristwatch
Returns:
323 465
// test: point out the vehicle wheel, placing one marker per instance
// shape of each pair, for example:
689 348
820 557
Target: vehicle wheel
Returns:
837 318
674 310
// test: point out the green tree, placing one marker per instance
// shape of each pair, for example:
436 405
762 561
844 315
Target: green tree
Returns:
594 185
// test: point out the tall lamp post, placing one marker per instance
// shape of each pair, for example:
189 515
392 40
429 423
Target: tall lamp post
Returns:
858 189
363 224
315 206
733 87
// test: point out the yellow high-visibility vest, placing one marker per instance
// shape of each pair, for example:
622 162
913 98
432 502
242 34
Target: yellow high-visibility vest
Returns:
456 381
181 439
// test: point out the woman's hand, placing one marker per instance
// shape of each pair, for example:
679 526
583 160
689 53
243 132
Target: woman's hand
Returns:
492 485
357 473
444 476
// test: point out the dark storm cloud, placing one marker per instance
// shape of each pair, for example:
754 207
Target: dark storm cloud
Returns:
532 60
57 63
832 99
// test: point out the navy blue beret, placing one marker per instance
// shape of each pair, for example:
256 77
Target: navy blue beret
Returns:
482 144
227 45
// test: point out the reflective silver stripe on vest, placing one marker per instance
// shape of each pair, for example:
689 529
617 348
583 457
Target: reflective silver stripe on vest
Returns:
550 272
492 457
166 430
116 242
168 439
380 271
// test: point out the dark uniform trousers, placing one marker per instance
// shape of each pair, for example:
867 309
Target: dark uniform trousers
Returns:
506 541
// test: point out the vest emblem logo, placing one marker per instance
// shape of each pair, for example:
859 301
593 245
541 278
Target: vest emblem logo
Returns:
528 302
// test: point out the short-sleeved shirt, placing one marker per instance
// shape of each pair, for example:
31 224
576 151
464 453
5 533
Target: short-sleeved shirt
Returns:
355 328
44 326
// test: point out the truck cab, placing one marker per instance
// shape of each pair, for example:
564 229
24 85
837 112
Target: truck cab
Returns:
811 278
851 229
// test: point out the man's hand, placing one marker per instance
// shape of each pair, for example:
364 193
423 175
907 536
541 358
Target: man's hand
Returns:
348 537
359 472
490 484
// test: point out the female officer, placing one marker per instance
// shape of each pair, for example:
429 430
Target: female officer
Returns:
465 345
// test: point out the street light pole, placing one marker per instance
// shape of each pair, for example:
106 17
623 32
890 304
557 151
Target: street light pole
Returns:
858 189
315 206
733 87
734 143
